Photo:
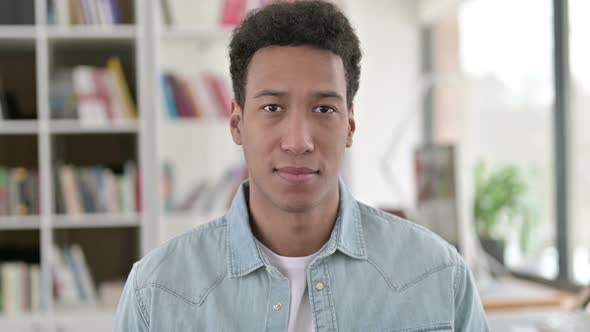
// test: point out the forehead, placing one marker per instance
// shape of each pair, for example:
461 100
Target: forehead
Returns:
295 67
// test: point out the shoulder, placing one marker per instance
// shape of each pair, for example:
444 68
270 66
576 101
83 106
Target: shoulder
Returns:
403 248
200 252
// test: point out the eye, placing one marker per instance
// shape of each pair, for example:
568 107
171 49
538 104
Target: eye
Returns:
272 108
324 109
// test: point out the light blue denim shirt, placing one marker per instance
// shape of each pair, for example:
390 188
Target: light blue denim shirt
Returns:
376 273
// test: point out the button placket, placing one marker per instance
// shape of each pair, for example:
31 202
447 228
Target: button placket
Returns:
278 303
321 298
319 286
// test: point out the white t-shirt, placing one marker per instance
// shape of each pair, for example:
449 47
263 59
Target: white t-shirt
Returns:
294 269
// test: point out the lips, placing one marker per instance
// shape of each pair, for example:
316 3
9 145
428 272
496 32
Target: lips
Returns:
296 175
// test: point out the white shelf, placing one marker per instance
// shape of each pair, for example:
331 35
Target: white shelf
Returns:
76 127
198 34
89 32
197 122
18 127
95 220
19 222
17 32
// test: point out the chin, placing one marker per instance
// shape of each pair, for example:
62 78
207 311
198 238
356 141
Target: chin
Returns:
297 204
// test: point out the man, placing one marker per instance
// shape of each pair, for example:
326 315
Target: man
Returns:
296 252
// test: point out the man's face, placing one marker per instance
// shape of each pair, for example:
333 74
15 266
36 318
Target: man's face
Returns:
294 126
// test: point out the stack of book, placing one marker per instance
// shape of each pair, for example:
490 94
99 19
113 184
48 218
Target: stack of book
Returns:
94 95
19 287
204 96
19 191
205 196
72 281
86 12
230 12
98 190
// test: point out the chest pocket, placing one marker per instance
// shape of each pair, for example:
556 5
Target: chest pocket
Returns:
444 327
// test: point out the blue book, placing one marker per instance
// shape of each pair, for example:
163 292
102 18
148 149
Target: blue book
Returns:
115 11
170 103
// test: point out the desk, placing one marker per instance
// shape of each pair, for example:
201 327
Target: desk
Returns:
514 305
510 294
540 320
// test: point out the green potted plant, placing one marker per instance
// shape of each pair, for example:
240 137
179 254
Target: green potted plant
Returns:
500 206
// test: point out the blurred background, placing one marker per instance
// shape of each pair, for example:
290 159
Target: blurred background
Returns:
114 137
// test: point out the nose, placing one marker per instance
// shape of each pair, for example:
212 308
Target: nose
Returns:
296 137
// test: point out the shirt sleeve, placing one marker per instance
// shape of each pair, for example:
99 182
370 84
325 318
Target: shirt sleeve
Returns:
131 315
469 313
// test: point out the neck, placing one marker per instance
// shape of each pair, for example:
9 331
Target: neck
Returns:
293 234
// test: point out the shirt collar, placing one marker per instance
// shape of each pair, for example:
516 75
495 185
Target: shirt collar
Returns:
243 255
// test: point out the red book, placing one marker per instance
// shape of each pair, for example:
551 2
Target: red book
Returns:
232 12
183 106
220 92
191 98
102 91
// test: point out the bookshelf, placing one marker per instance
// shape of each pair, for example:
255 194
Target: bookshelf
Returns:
188 48
16 33
34 48
41 135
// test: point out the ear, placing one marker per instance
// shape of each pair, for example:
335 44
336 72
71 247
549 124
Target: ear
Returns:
351 127
235 122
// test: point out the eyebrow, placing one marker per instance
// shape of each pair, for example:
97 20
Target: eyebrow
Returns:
328 94
270 93
318 94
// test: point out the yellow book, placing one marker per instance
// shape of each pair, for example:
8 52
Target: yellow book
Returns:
116 70
20 176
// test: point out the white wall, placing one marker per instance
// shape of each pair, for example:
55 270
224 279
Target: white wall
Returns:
388 101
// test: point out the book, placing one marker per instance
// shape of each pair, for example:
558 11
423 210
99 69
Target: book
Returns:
200 96
111 193
76 12
103 93
82 12
92 108
193 98
87 8
232 12
71 194
168 96
20 200
220 92
62 10
166 12
64 284
32 191
97 189
4 210
183 107
35 287
93 95
11 287
80 268
19 286
115 10
62 98
116 70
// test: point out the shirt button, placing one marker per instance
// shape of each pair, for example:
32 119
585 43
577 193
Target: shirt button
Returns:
278 306
319 285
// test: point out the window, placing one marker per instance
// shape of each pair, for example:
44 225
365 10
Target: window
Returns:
493 97
580 141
